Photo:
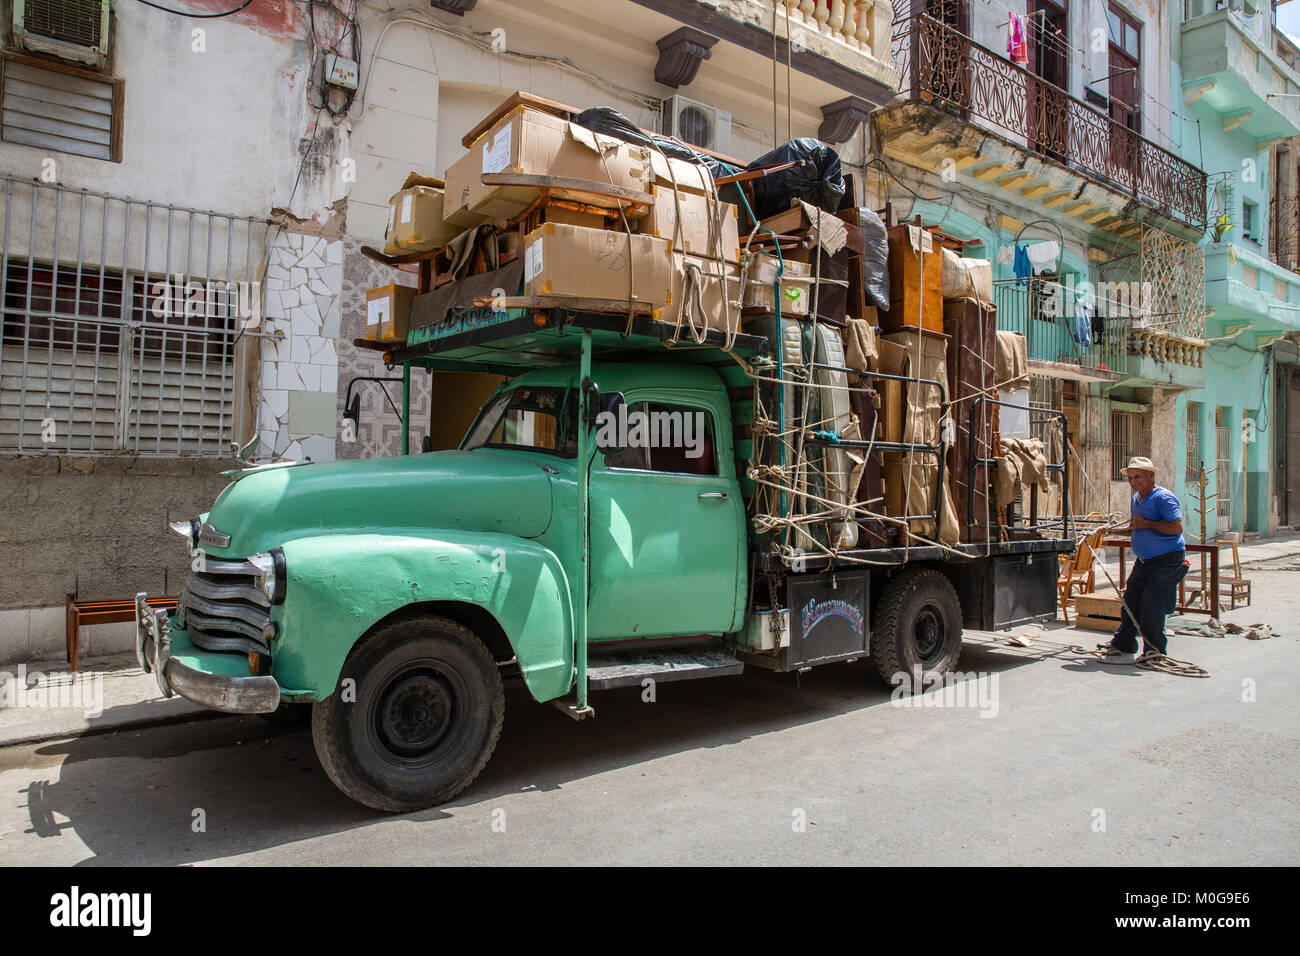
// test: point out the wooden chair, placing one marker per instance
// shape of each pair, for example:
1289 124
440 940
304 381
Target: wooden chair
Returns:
1077 572
1234 588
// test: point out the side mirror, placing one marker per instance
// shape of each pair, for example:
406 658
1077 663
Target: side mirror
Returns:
352 412
610 402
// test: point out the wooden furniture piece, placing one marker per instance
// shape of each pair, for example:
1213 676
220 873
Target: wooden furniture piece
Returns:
82 613
1077 572
1097 612
1234 587
1123 544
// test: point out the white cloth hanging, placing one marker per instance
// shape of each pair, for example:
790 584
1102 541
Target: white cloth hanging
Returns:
1043 255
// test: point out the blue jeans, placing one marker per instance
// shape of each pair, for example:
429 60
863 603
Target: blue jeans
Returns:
1152 593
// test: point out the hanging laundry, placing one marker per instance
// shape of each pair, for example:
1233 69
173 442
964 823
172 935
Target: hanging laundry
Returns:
1043 255
1006 255
1017 48
1021 265
1098 327
1082 321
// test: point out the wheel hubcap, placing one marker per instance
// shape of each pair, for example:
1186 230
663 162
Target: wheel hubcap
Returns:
929 633
415 711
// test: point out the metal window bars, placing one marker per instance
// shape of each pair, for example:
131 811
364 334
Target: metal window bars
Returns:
128 325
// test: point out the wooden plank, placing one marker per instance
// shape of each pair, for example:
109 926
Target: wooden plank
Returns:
618 306
570 184
1092 605
1104 624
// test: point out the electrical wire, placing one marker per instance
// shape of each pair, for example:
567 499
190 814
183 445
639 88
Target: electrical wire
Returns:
349 26
197 16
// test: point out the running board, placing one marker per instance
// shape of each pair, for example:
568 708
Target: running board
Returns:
629 668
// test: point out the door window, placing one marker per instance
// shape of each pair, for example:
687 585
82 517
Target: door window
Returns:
659 436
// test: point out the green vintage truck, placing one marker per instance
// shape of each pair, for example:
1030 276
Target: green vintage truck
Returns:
392 596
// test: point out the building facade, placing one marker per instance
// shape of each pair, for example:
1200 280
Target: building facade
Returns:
1059 159
187 201
1235 75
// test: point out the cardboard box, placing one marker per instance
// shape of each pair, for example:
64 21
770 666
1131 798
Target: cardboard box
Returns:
585 263
529 141
696 212
415 222
795 294
719 310
388 313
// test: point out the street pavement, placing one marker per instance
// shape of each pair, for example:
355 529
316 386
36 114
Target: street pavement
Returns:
1076 763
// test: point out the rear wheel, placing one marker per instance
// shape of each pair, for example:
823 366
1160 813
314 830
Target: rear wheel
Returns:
917 629
415 718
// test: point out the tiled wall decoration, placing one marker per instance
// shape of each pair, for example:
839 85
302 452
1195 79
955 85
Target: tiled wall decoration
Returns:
379 433
300 370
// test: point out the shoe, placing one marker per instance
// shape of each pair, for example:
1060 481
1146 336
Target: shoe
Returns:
1116 656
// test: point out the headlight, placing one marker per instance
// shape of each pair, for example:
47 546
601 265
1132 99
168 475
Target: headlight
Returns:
188 529
272 566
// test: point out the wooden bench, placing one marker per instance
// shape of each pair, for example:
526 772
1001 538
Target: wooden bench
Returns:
82 612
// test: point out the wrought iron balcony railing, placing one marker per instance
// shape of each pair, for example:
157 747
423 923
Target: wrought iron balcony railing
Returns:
1037 309
1284 231
939 65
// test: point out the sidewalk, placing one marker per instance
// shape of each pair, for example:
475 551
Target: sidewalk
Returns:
45 701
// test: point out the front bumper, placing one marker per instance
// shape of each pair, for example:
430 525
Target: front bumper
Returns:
224 692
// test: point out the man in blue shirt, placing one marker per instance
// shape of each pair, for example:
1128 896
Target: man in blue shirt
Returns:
1151 592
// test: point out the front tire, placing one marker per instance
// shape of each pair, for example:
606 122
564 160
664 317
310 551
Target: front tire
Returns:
917 630
418 721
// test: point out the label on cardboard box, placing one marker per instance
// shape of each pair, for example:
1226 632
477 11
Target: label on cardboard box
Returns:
497 156
533 260
406 207
376 314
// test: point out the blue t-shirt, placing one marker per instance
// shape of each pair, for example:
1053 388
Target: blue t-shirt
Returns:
1160 505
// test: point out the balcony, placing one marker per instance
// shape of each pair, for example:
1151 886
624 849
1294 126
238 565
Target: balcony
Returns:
1051 342
1250 81
1064 139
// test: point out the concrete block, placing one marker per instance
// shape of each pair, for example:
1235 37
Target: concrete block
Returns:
108 639
13 635
47 632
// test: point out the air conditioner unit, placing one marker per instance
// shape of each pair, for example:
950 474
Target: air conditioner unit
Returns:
696 123
69 29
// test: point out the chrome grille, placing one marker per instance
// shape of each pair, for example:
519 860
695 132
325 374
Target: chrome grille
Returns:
224 608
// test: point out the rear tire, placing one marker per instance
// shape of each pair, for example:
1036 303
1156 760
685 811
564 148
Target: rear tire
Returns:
423 715
917 630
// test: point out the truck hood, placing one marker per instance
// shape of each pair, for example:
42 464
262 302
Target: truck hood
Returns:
478 490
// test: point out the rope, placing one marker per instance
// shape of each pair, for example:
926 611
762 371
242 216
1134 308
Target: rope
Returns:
1151 661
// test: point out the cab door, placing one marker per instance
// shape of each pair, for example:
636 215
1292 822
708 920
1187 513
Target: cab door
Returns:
667 525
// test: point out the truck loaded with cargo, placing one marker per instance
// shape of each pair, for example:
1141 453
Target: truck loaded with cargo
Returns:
732 418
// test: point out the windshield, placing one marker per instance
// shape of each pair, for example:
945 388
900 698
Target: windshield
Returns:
532 419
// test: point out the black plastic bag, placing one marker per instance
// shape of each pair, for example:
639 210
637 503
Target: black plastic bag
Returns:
875 258
820 181
610 122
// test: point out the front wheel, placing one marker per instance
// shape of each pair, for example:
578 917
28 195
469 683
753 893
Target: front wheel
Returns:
917 629
415 717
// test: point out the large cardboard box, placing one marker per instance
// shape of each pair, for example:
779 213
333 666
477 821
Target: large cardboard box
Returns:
577 262
529 141
696 216
388 313
796 290
415 221
719 306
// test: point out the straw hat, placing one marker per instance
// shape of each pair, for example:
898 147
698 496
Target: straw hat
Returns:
1140 464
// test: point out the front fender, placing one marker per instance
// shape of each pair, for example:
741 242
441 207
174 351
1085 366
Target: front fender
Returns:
340 586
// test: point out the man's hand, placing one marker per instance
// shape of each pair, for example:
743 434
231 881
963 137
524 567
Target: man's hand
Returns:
1138 523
